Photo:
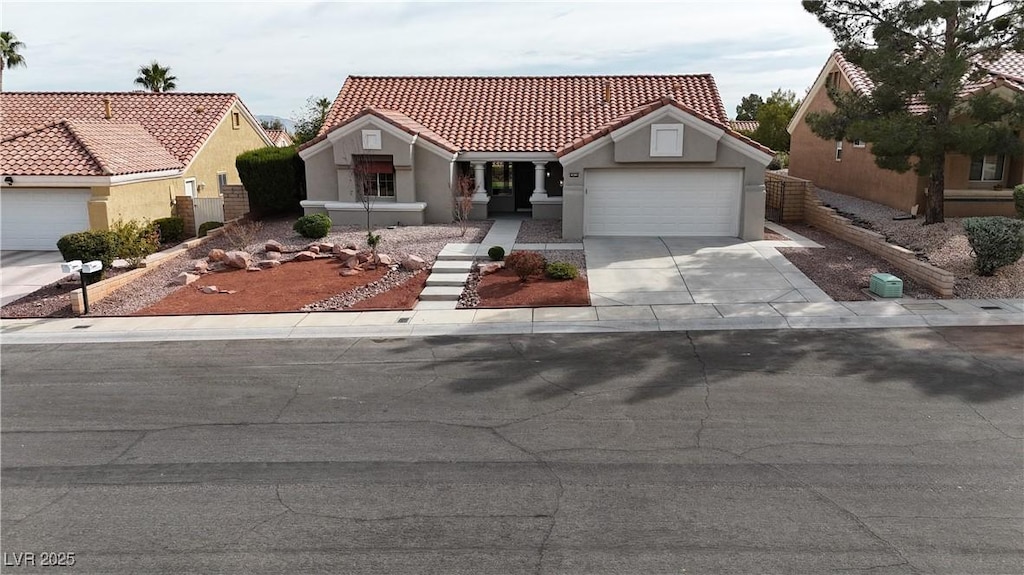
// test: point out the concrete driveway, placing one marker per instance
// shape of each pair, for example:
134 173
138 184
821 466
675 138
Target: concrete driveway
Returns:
685 270
23 272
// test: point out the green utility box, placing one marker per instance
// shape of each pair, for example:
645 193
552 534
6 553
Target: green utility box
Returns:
886 285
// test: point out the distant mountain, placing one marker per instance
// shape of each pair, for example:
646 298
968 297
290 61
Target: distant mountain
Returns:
288 124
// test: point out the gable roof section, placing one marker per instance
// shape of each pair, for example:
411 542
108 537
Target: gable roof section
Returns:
648 108
516 114
142 124
279 137
743 125
1007 71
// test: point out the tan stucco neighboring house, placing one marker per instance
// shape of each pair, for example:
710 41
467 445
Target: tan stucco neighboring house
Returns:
71 161
280 138
609 155
974 186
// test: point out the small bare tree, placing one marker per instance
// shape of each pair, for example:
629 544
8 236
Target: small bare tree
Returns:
367 194
462 200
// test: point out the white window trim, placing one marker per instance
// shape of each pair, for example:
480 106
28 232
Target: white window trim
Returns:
676 151
984 163
376 186
372 140
858 144
839 150
195 187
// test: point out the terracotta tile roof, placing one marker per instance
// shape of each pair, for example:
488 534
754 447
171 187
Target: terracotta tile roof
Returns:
743 125
279 137
179 123
517 114
1008 68
647 108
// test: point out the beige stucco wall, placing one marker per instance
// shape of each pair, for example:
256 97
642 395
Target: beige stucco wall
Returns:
322 176
636 147
433 185
604 155
136 201
219 153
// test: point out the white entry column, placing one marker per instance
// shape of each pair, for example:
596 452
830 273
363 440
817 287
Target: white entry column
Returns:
480 193
540 172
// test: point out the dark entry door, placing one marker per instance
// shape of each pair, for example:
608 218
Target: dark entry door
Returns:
523 175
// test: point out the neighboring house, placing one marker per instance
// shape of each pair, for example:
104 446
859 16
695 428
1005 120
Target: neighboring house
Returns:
76 161
744 126
609 155
280 138
974 186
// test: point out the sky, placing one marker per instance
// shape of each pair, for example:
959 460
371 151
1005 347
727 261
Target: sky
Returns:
275 55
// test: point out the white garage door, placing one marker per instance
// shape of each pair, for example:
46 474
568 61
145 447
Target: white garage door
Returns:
35 220
663 202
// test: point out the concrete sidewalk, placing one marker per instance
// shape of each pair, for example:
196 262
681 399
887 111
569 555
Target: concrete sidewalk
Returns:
636 318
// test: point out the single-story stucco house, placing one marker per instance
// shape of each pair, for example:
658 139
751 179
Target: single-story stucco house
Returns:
978 186
609 155
72 161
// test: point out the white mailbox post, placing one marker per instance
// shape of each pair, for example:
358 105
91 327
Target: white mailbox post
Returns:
82 269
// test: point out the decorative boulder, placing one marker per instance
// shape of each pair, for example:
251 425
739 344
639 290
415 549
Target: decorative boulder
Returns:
351 263
345 253
238 259
364 256
490 268
325 247
253 269
413 263
349 272
384 259
351 246
313 248
185 278
202 267
216 255
268 264
305 256
273 256
273 246
210 289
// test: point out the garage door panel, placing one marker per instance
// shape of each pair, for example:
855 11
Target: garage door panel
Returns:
663 202
35 220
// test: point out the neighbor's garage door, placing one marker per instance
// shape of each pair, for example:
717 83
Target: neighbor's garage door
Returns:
35 220
663 202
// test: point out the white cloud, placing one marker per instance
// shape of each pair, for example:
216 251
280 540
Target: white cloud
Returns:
277 54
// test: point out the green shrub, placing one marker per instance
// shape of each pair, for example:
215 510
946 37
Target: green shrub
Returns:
172 230
525 264
314 226
496 253
997 241
1018 200
207 226
134 240
275 180
561 271
88 246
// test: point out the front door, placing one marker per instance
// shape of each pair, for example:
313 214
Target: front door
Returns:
523 178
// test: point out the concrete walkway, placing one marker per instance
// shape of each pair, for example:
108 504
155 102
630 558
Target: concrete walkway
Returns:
23 272
625 318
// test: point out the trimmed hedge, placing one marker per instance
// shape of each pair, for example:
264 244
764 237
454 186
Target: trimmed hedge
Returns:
496 253
996 241
171 229
274 178
561 271
525 264
88 246
314 226
207 226
1018 200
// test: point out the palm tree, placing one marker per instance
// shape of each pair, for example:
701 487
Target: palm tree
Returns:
156 78
9 56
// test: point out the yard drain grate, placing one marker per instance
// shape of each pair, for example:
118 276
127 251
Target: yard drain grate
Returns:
403 320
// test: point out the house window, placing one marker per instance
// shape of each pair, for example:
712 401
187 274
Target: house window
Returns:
858 144
236 120
832 80
375 175
839 150
501 179
987 168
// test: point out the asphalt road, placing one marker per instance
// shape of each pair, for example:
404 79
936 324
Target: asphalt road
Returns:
875 451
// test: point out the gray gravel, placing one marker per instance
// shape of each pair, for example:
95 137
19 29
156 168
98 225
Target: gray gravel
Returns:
422 241
944 245
541 232
470 297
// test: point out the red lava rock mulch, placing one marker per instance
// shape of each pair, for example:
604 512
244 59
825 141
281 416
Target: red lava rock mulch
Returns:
503 289
402 297
285 288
